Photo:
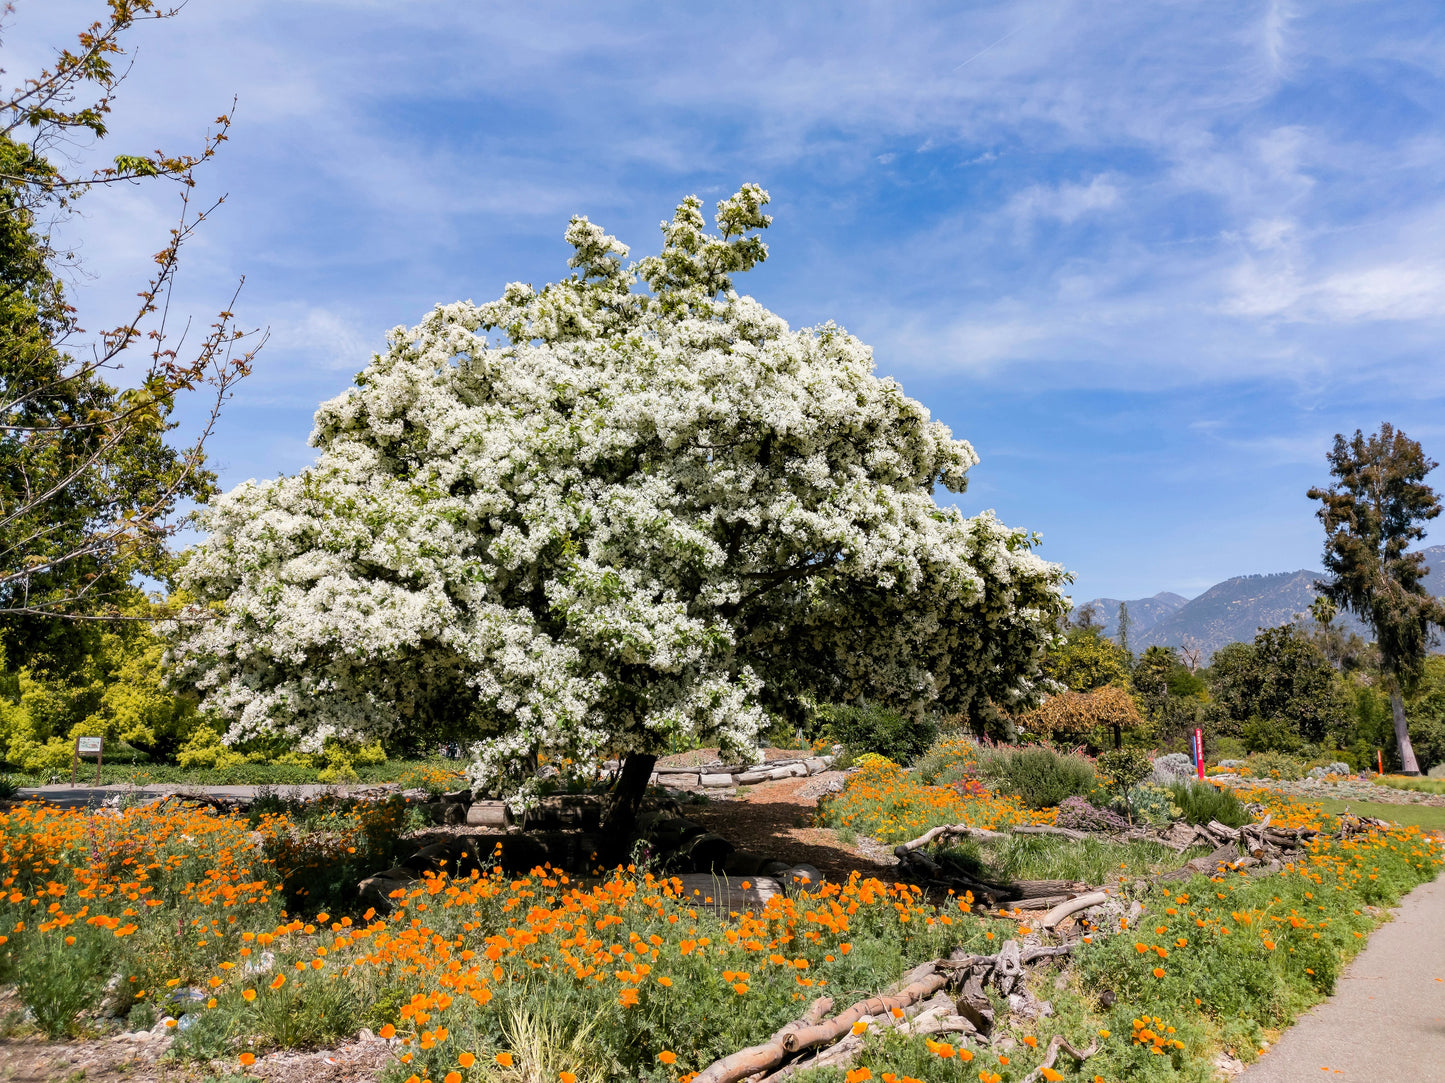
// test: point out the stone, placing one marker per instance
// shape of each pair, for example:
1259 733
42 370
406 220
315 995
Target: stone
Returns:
376 890
727 894
489 814
445 812
803 878
716 780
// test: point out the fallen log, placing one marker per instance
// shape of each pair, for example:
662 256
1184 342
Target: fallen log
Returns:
944 831
1073 906
759 1058
925 981
834 1037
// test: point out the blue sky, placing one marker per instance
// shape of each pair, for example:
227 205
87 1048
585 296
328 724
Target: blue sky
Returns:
1148 258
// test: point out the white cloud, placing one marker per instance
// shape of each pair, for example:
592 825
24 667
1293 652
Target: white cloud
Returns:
1066 202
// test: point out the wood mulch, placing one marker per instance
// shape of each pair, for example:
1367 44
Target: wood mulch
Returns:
775 819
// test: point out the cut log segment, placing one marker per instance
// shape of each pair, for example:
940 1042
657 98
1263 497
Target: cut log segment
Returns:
1073 906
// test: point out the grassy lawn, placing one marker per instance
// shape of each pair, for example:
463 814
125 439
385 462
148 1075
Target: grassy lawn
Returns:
1429 817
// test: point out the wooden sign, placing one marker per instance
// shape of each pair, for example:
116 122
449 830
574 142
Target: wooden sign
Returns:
87 746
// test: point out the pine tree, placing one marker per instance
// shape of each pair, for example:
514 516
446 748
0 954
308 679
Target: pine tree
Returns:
1371 515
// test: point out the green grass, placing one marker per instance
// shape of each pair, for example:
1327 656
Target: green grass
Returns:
1044 857
1419 785
1429 817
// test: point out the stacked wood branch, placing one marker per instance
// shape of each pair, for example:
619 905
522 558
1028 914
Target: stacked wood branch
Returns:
943 996
1264 846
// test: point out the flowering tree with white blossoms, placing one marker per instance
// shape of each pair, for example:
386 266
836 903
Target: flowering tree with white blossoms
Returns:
596 519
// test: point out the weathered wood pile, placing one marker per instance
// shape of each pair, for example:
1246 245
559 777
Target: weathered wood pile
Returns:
945 996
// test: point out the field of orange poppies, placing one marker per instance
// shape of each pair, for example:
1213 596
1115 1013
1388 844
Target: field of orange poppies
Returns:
234 932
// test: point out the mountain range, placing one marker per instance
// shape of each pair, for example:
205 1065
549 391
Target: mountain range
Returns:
1231 611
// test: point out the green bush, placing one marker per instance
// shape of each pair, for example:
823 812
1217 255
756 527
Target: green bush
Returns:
1271 735
1275 765
862 728
1200 803
1125 768
949 760
1150 803
1040 776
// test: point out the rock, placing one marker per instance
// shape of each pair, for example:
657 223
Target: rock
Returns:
445 812
376 890
742 863
804 878
703 852
715 780
726 894
489 814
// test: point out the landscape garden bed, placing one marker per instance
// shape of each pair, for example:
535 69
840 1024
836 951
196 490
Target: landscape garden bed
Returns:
232 940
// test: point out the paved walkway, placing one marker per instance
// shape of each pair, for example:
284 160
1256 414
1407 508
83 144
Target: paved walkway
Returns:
1386 1020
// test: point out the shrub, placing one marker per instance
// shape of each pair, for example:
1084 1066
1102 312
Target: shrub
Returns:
1077 713
1200 802
1040 776
861 728
950 760
1275 765
1171 768
1151 803
1076 813
1271 735
1125 768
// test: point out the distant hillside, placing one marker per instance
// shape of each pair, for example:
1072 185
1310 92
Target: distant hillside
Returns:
1144 613
1233 611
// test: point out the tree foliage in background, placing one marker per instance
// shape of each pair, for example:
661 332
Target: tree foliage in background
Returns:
1282 679
111 684
1086 660
89 484
1076 714
1371 514
593 519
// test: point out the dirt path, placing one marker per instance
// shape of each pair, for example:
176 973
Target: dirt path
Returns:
775 819
1386 1020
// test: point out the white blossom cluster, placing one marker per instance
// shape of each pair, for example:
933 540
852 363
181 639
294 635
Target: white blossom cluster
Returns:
599 518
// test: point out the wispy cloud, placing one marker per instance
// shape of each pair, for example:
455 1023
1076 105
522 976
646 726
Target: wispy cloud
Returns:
1233 210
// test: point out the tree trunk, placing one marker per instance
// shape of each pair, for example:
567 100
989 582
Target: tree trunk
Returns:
1118 736
627 794
1408 764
